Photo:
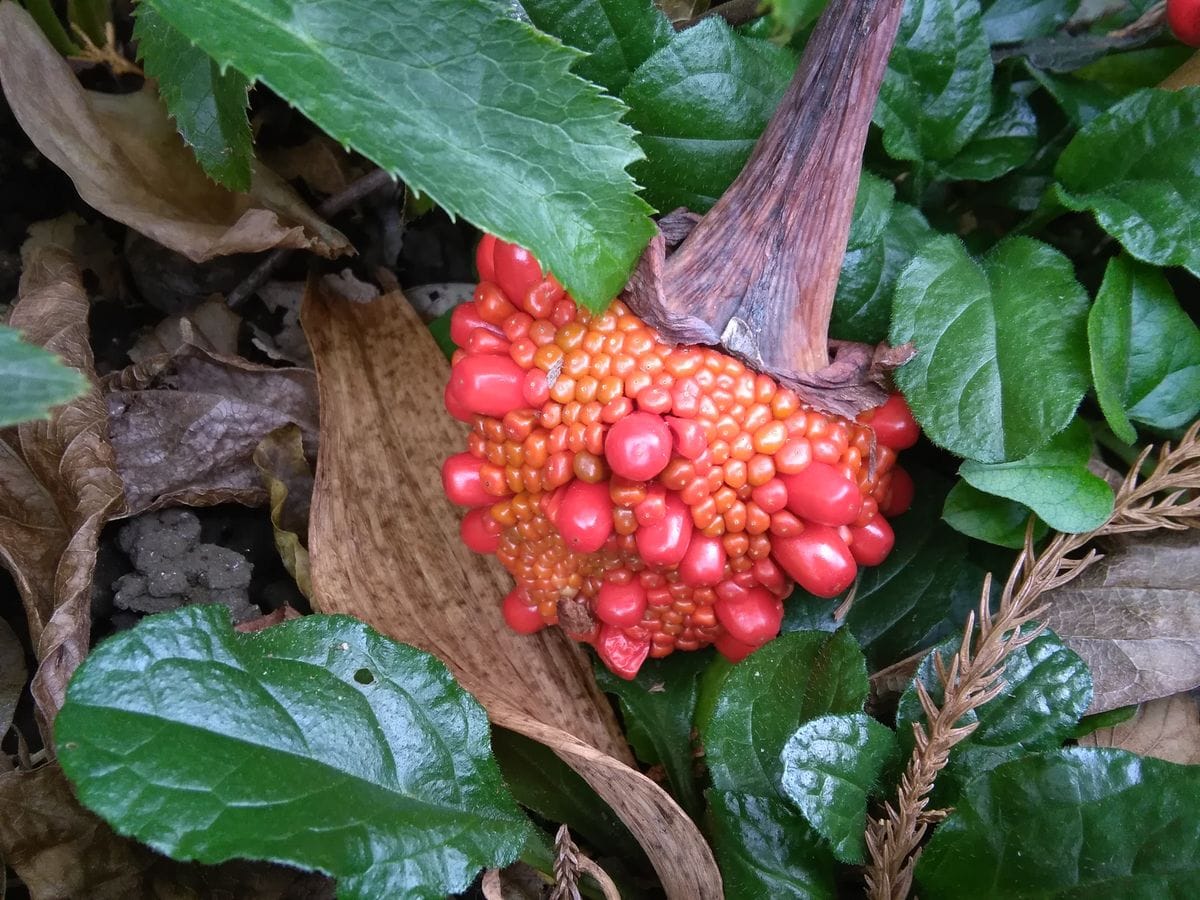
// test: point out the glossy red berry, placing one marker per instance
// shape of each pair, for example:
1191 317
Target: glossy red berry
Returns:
666 541
516 271
871 543
902 493
688 435
485 258
822 494
1183 16
818 559
733 649
454 405
894 425
753 618
584 518
621 604
488 385
521 616
463 320
704 563
479 531
462 482
638 446
622 654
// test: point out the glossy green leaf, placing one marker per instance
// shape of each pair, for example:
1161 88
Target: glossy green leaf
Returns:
477 110
317 743
1003 142
617 35
1012 21
34 379
1001 342
1162 388
1047 689
700 104
658 707
830 768
1135 168
862 308
989 518
937 89
1087 92
1106 719
1110 332
1054 481
1069 824
872 210
209 108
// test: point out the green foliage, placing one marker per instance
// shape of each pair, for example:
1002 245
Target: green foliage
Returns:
209 107
181 723
1011 21
1069 823
474 109
1005 140
998 370
34 379
989 518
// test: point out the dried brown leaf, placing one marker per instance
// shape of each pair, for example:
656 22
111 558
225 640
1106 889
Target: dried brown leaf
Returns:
289 480
319 162
58 484
128 161
384 547
515 882
12 676
289 344
1168 728
185 427
1134 617
211 326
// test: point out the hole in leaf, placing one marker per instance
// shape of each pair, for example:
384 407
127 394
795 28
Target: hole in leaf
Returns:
364 676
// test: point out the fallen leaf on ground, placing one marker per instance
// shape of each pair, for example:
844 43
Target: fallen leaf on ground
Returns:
274 617
1134 617
58 484
60 849
12 676
289 480
1168 728
288 344
384 547
128 161
185 427
211 326
319 162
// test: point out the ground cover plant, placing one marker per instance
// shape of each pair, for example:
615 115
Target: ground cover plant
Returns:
607 448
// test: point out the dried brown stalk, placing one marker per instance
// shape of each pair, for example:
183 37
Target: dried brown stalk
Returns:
108 55
570 864
1168 498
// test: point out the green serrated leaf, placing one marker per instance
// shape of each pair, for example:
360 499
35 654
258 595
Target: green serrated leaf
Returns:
1047 689
1054 481
317 743
872 210
1001 342
1006 140
989 518
209 108
937 89
700 104
1013 21
617 35
658 708
1110 331
1134 168
477 110
862 307
830 766
34 379
1068 824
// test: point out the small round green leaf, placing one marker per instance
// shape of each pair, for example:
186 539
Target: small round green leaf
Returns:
34 379
317 743
1001 343
989 518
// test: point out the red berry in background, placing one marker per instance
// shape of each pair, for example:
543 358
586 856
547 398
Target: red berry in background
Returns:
516 271
822 494
901 496
894 425
622 654
480 532
488 385
462 481
584 518
753 618
522 617
621 604
638 446
818 559
1183 16
870 544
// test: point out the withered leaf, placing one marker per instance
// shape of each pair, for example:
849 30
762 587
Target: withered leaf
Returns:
1168 728
12 676
211 326
127 160
185 427
289 480
1134 617
58 484
384 547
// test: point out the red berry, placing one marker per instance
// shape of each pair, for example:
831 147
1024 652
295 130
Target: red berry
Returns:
454 406
585 517
818 559
894 425
704 563
733 649
901 496
479 531
1184 18
516 270
654 507
638 447
772 496
871 543
621 604
488 385
666 541
622 654
520 615
462 482
484 258
536 389
463 320
822 494
689 440
754 618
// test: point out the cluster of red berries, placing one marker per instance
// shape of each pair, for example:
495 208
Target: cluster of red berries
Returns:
650 497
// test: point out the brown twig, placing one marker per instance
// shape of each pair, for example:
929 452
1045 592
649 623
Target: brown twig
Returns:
108 55
1168 498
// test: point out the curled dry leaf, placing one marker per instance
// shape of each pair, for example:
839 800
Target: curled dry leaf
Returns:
58 484
515 882
1134 617
1168 728
211 326
185 427
12 676
289 481
289 344
385 548
127 160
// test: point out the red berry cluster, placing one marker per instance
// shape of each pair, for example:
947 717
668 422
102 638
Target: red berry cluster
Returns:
650 497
